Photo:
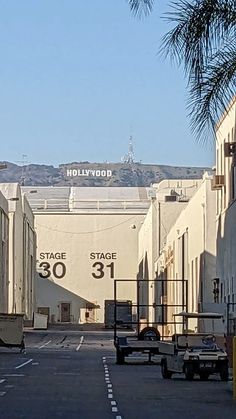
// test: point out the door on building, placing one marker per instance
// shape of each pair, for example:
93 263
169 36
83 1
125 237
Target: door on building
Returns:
65 312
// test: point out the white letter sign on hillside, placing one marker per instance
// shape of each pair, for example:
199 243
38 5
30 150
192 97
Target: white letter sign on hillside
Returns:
88 173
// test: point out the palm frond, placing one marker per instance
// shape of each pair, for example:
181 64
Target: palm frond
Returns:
200 27
210 98
141 7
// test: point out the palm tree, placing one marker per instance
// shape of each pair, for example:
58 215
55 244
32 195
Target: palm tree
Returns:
140 7
203 41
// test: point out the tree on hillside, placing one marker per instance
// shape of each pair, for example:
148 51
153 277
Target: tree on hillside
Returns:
203 41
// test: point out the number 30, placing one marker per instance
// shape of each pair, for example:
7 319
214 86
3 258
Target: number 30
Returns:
47 273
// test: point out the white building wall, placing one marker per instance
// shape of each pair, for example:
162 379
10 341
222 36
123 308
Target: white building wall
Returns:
153 233
21 266
29 259
196 226
79 255
4 234
226 211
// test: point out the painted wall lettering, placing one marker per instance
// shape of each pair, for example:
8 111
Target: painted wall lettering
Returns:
99 269
102 255
48 269
52 255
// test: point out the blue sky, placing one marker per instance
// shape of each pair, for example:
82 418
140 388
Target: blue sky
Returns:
77 77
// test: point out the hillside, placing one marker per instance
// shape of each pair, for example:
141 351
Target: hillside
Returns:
96 174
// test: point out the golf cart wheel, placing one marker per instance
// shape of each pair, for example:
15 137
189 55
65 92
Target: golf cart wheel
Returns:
149 333
224 372
189 372
164 371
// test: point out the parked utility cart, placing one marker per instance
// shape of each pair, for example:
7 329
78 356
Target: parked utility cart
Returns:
11 331
193 353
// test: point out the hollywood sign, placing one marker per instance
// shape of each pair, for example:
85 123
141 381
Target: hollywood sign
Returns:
88 173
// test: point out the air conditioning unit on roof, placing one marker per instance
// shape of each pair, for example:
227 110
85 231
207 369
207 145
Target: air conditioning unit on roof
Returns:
151 193
217 182
170 198
183 198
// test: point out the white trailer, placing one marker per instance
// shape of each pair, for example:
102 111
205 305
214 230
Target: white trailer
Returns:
11 330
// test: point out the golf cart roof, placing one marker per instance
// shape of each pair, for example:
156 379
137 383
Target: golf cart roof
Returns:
199 315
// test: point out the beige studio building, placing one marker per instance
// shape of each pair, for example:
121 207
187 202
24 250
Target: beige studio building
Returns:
18 251
224 184
4 235
86 238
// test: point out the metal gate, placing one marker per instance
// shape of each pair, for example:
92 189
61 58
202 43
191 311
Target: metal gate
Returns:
155 303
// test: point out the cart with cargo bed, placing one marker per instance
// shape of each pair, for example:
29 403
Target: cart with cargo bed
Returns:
196 352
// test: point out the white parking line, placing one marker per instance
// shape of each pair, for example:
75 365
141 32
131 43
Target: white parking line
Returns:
22 365
81 341
45 344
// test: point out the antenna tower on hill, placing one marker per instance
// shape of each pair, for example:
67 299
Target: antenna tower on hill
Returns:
129 158
24 161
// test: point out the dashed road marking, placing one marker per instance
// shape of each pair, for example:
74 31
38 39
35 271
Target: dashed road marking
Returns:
45 344
81 341
13 375
2 393
22 365
2 381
